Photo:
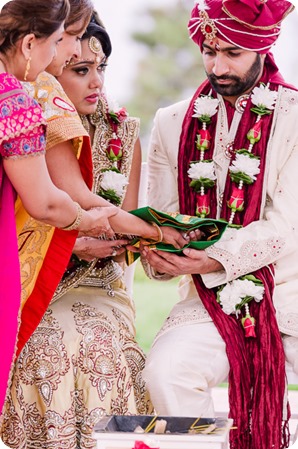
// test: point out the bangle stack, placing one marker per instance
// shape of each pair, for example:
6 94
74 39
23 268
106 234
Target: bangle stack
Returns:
152 241
76 223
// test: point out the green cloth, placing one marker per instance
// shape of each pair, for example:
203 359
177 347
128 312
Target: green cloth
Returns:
213 229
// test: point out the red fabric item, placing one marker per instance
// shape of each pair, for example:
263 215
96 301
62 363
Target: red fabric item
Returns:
85 162
249 24
142 445
258 14
10 281
54 265
257 379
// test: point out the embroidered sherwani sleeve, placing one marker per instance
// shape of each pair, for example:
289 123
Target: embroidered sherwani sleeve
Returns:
162 167
162 174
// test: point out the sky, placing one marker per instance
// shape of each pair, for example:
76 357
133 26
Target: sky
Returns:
122 16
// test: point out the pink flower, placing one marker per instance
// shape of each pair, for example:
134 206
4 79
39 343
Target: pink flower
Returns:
254 134
236 202
248 323
203 207
121 115
203 140
118 116
114 149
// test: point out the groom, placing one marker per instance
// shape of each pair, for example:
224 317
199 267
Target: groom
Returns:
231 152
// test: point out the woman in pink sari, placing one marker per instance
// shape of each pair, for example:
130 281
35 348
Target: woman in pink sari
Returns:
28 44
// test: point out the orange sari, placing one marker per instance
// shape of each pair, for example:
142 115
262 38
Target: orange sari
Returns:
45 251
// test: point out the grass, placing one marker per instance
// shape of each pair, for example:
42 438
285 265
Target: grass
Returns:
153 299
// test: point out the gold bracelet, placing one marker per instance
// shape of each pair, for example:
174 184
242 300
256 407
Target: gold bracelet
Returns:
152 241
160 234
76 223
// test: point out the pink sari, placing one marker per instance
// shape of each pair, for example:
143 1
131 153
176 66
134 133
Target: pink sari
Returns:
21 133
10 288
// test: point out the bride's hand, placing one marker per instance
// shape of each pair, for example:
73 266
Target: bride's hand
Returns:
174 237
195 235
100 221
88 248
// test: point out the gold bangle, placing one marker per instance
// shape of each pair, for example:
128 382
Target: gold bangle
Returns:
76 223
160 234
152 241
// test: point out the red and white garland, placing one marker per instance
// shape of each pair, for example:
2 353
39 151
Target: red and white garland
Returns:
112 181
244 169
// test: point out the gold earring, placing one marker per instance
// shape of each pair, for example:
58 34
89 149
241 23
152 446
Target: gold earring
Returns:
27 68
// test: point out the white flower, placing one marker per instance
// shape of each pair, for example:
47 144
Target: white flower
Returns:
234 292
200 170
249 288
264 97
202 6
112 180
113 105
228 299
245 164
205 106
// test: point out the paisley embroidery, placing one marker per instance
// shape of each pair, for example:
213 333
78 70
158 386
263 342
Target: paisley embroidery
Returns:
99 354
44 359
83 351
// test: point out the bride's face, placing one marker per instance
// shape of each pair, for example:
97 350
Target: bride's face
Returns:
83 79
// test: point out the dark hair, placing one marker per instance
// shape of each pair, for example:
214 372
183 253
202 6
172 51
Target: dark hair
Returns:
96 19
21 17
93 29
79 10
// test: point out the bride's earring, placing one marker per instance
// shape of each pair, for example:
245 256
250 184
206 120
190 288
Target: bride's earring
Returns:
27 68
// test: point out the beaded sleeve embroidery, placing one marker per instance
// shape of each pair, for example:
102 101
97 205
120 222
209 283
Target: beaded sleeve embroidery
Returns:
22 126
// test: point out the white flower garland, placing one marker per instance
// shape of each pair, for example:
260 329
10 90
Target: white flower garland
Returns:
243 163
239 292
115 182
243 170
202 170
205 106
263 97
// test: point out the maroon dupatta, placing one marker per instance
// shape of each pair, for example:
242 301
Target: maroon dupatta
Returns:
257 378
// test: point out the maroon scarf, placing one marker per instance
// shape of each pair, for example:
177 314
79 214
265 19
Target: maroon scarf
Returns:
257 378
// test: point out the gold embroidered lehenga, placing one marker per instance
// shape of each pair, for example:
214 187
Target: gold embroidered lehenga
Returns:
83 360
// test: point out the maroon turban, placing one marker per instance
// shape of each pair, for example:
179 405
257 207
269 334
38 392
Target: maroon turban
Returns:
249 24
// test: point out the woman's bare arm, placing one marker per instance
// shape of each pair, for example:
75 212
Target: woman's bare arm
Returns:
65 172
45 202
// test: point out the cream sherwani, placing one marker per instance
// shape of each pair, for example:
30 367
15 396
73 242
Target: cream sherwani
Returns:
188 355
